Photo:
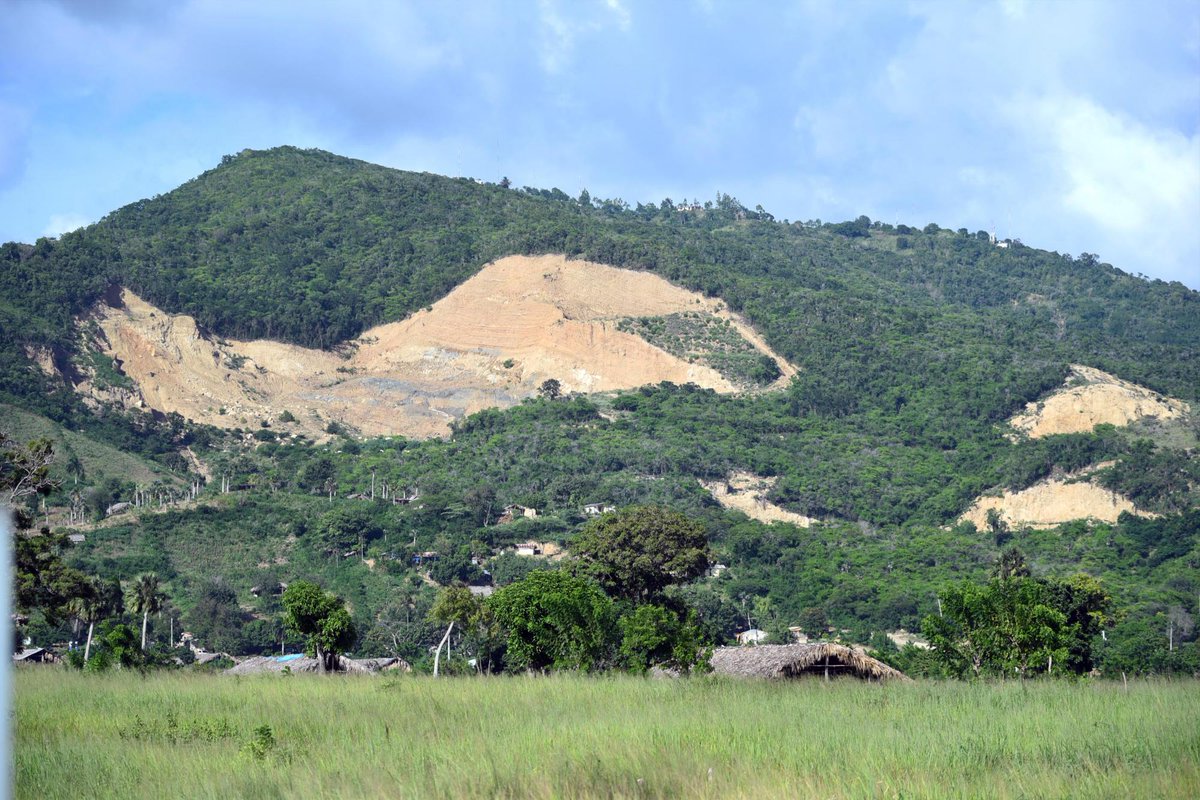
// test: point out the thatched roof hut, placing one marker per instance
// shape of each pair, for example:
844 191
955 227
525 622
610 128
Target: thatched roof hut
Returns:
820 659
257 665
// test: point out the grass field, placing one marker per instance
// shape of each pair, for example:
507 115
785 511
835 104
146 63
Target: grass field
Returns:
196 736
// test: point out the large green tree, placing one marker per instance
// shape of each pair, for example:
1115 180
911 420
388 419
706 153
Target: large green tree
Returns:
637 552
553 620
321 617
1009 626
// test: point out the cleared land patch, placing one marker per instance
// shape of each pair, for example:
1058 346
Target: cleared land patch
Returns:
1090 397
747 492
489 343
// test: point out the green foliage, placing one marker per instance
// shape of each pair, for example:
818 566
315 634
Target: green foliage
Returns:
711 341
44 581
637 552
553 620
345 528
910 359
322 617
1017 625
653 635
216 619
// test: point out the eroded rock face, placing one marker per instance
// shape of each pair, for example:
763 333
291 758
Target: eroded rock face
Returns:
489 343
747 492
1090 398
1050 503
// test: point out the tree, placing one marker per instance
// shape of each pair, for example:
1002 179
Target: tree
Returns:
550 389
637 552
814 622
24 469
96 601
345 528
216 619
553 620
1011 563
1004 627
456 605
657 635
322 618
43 579
145 599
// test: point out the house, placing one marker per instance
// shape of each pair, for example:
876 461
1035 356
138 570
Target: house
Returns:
298 662
596 509
529 549
34 655
798 635
512 512
425 558
821 659
716 569
117 508
481 591
752 636
76 538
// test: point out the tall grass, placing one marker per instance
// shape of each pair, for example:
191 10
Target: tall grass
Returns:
173 735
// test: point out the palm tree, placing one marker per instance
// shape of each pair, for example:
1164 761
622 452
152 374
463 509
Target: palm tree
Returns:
96 602
145 599
86 609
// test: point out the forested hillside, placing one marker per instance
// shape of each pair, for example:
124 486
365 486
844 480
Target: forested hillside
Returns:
914 347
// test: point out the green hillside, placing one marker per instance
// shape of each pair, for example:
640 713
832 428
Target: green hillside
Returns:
914 346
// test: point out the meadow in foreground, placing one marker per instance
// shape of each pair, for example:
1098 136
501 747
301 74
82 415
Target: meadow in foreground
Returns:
172 735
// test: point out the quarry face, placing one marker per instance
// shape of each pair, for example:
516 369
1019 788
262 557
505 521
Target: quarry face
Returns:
489 343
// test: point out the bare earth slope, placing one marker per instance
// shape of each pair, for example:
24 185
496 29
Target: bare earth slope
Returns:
1050 503
1090 398
489 343
747 492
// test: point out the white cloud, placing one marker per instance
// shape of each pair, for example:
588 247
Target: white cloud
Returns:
64 223
1136 189
563 25
1121 173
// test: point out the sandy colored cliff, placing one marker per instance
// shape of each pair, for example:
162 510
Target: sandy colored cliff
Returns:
489 343
1091 397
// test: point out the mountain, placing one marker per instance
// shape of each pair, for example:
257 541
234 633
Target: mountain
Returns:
297 327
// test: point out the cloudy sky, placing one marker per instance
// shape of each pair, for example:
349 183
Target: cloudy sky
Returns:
1073 126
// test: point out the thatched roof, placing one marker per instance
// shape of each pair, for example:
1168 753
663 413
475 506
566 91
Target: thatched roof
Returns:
298 663
796 660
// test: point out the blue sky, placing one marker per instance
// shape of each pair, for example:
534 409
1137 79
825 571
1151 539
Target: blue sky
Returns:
1073 126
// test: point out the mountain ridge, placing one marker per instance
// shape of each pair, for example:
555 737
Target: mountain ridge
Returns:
912 349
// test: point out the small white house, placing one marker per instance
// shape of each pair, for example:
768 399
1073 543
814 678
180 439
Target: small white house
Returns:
529 549
596 509
798 635
752 636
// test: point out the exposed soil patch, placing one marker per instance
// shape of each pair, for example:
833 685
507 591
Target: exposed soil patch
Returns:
747 492
1050 503
1090 398
489 343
